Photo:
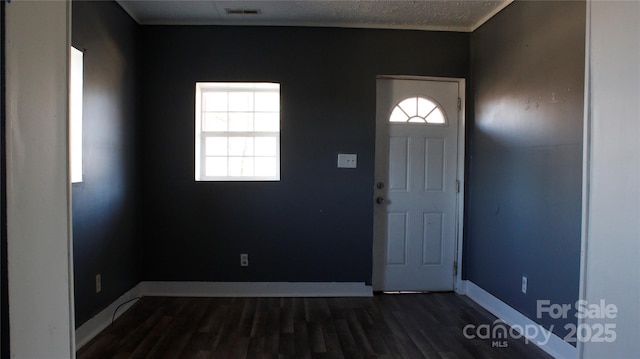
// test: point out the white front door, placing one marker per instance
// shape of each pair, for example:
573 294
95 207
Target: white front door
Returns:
416 185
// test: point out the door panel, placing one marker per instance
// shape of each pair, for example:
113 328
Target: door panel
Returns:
434 166
398 163
416 163
432 239
396 248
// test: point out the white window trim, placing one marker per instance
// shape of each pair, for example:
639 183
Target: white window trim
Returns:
75 113
425 119
200 137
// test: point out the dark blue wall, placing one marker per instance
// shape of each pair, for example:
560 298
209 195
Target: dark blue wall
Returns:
105 204
316 223
523 214
525 69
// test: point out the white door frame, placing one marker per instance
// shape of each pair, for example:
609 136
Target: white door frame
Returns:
38 213
458 285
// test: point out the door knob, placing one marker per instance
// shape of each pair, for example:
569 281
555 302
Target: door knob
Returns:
379 200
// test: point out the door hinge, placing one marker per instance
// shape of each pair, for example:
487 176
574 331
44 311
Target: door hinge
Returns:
459 104
455 268
457 186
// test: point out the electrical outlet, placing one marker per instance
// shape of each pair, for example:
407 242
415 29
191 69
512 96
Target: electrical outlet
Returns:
524 284
244 260
98 283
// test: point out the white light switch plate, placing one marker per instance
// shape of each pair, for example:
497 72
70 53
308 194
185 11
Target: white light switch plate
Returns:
347 160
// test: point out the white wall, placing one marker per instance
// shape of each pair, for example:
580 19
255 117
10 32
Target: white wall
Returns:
611 268
39 255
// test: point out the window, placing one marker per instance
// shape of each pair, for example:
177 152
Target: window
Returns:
237 131
75 114
417 110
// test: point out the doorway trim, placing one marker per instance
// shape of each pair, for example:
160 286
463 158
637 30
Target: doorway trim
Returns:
459 286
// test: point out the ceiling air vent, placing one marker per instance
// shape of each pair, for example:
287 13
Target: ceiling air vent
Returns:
243 11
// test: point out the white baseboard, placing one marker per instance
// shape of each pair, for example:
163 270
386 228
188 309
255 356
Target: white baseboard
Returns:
98 323
554 346
256 289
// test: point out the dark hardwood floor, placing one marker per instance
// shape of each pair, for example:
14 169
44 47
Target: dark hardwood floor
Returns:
385 326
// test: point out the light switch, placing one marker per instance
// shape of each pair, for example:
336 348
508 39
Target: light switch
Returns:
347 160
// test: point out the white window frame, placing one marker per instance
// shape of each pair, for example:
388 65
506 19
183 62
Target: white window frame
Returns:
76 76
201 135
413 116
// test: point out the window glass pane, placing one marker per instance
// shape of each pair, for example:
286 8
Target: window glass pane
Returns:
424 107
215 121
238 125
214 101
75 114
409 106
216 166
398 115
267 101
240 146
216 146
265 146
267 122
417 110
436 117
241 101
241 122
265 166
240 166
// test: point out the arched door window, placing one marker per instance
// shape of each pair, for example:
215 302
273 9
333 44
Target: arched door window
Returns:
417 110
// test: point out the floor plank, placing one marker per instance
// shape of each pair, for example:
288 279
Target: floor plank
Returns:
412 326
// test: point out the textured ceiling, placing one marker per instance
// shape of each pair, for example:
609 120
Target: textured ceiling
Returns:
450 15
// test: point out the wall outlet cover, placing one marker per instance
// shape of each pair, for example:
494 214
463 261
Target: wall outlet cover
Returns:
244 260
347 160
98 283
